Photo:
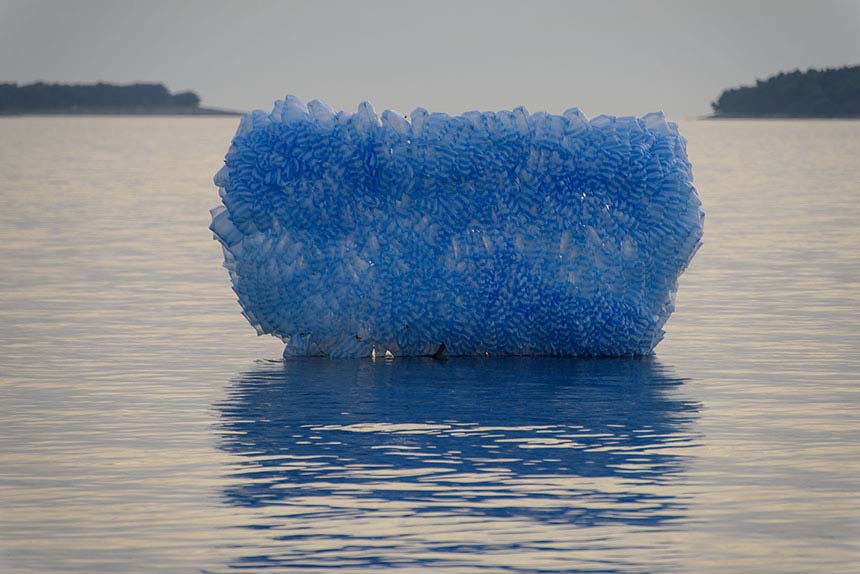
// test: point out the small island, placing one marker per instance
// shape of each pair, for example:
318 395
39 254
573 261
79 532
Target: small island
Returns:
100 99
828 93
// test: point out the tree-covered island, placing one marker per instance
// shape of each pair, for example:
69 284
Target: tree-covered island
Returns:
100 98
828 93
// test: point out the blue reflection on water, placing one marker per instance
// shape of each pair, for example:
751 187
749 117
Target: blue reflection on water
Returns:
351 463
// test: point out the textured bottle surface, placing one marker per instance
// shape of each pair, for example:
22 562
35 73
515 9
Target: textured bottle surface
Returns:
499 233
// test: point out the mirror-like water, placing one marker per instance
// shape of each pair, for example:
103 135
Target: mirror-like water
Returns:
143 427
499 464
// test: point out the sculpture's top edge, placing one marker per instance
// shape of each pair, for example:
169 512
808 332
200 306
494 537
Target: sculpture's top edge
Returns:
293 110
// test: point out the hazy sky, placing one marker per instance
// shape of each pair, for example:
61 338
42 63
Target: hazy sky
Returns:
616 57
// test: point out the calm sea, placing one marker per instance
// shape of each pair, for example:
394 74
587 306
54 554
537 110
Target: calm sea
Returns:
145 428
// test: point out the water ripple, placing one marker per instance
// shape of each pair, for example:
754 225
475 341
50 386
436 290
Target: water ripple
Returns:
472 464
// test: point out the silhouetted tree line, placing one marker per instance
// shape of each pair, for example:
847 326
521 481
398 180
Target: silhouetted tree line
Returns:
68 97
832 92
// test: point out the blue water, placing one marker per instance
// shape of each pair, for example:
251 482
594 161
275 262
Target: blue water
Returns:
144 428
518 449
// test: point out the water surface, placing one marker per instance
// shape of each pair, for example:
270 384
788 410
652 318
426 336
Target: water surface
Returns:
143 426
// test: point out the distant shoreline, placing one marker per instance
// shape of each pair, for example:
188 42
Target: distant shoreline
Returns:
831 93
123 112
775 117
101 99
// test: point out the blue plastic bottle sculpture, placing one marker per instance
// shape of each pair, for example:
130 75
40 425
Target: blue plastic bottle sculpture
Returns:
501 233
